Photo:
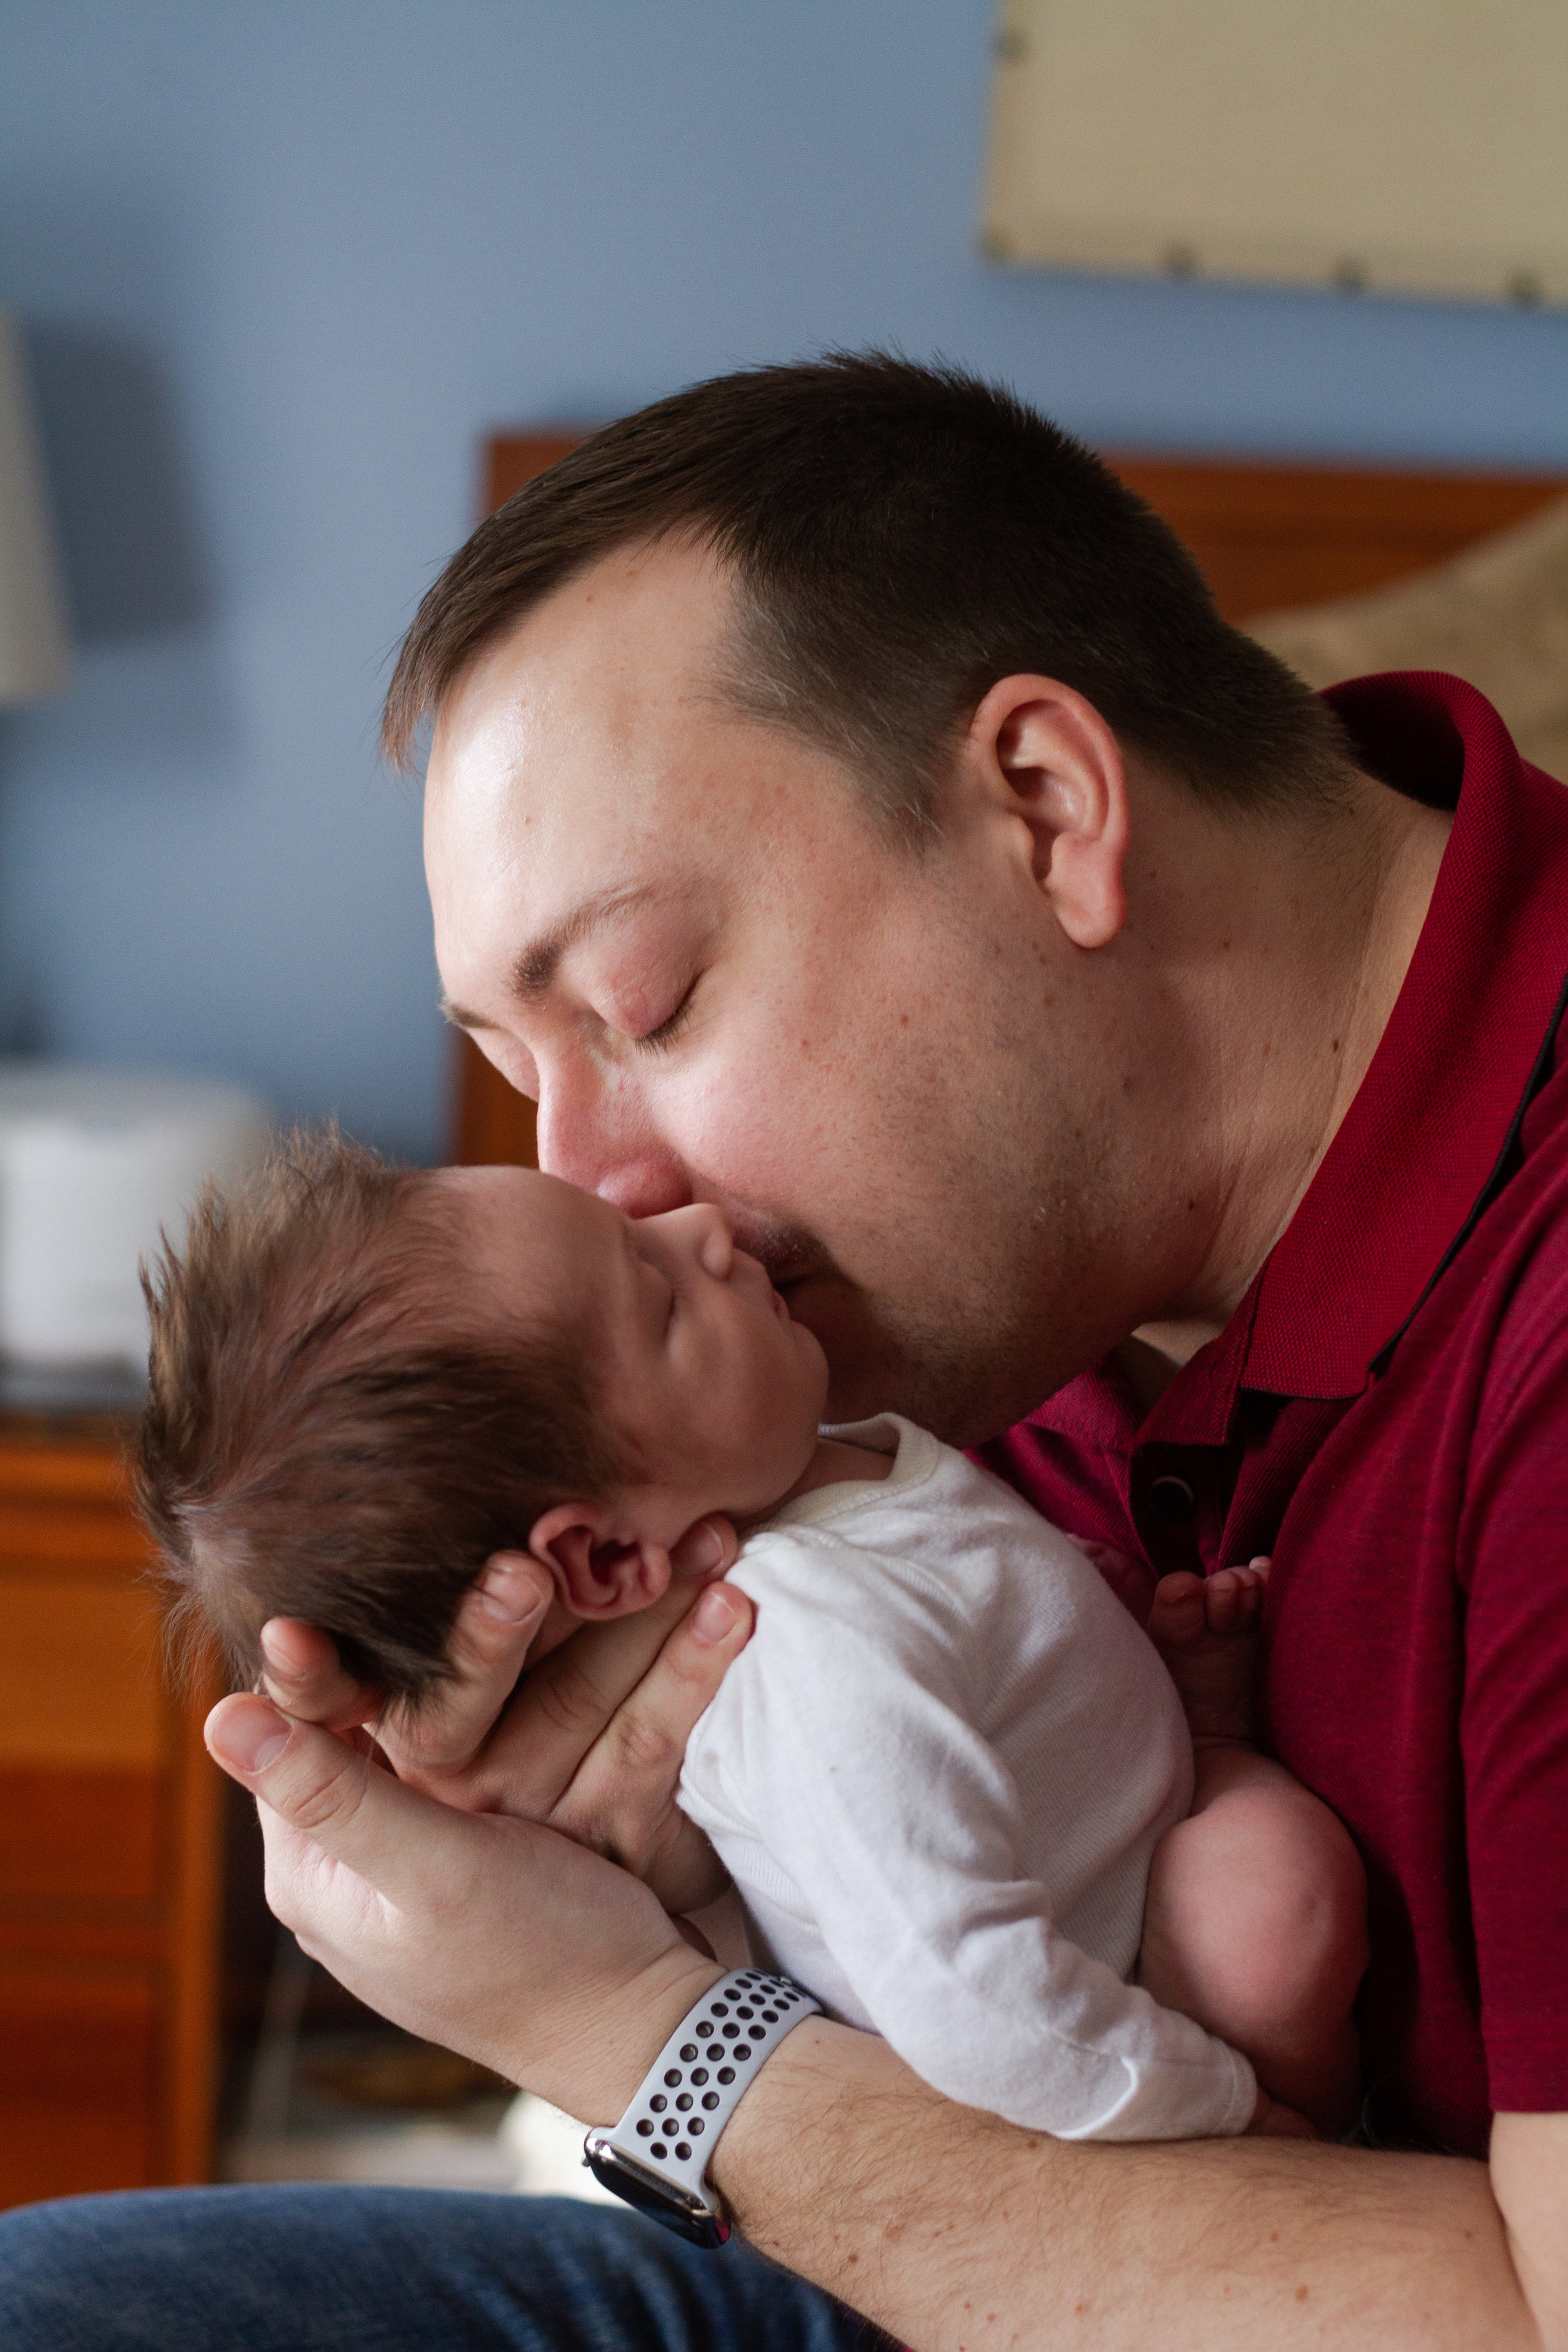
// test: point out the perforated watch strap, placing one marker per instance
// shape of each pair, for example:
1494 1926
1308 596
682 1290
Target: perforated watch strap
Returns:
699 2076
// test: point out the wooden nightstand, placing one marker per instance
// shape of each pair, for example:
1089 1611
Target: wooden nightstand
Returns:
110 1834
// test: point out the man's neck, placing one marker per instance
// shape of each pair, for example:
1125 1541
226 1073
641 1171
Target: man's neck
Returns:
1291 1001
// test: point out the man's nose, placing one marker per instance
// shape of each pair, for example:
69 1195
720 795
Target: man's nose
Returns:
580 1141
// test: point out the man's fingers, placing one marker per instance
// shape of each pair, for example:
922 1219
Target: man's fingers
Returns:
685 1873
319 1785
301 1672
497 1620
708 1548
619 1802
565 1702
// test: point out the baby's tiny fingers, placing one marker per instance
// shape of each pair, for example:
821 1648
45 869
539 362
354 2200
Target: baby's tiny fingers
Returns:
1225 1598
1177 1613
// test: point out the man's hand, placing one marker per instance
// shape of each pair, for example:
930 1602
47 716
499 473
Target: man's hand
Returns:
590 1743
490 1935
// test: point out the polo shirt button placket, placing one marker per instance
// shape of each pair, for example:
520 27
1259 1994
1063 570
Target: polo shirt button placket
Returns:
1169 1509
1173 1499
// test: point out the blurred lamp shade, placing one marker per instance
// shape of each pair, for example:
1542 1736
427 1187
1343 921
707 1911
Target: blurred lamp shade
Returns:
35 647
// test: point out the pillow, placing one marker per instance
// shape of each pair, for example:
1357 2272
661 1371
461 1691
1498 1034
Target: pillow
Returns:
1497 615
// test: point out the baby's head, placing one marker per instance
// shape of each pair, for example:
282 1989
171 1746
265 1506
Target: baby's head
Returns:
365 1379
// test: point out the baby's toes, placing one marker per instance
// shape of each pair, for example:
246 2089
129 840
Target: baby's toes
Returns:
1230 1601
1177 1614
1248 1600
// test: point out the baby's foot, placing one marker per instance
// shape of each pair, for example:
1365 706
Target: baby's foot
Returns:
1205 1628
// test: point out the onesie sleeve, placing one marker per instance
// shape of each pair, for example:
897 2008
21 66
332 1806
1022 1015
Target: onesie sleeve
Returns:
863 1779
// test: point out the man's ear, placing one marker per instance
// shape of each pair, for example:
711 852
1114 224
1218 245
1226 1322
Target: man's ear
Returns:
1045 757
603 1567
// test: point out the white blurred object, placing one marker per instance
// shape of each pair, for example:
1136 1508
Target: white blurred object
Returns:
391 2155
35 643
93 1164
545 2150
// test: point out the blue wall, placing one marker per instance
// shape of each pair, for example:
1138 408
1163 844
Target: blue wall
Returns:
282 262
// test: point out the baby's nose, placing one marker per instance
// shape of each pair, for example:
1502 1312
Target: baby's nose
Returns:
716 1240
705 1232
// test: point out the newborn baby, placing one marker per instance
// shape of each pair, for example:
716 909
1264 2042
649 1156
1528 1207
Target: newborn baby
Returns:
940 1772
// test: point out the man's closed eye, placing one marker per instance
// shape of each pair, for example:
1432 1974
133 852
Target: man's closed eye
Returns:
660 1040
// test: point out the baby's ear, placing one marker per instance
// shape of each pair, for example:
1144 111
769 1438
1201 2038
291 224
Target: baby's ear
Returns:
602 1566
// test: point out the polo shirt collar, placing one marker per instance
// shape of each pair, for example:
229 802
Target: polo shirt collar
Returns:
1431 1126
1418 1153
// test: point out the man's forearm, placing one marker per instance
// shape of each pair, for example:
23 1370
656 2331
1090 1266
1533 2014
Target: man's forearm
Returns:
953 2231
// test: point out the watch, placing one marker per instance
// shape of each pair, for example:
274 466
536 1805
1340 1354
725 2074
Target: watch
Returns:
657 2154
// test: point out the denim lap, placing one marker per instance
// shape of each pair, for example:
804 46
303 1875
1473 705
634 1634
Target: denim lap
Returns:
315 2269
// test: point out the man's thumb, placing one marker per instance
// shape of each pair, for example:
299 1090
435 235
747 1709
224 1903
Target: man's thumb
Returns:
309 1777
246 1735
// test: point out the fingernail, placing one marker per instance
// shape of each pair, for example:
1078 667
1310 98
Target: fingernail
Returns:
250 1738
707 1550
509 1592
275 1650
713 1617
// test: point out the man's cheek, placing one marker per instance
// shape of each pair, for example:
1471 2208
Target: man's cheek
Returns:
737 1126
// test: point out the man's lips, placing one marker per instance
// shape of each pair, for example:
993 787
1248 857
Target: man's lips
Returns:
793 1263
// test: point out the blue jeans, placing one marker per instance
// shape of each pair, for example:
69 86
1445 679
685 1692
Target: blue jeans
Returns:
307 2269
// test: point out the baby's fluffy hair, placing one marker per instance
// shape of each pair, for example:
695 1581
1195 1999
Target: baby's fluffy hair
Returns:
331 1432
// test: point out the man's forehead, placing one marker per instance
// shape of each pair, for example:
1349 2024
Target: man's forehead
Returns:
640 624
590 773
585 725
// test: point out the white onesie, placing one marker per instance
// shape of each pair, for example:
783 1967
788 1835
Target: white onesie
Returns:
936 1774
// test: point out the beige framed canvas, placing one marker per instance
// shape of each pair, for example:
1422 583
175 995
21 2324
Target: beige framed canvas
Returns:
1412 146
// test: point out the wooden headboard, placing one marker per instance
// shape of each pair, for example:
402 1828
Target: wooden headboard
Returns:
1266 535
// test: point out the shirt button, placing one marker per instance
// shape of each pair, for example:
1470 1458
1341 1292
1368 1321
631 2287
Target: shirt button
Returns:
1172 1500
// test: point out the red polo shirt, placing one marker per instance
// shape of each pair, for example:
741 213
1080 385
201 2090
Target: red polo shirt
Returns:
1387 1414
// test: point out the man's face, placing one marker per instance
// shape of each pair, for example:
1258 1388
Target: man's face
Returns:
681 932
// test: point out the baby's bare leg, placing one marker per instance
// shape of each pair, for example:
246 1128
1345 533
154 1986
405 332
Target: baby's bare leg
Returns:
1254 1922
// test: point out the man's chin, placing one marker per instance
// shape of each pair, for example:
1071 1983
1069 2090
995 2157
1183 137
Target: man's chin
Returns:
874 1368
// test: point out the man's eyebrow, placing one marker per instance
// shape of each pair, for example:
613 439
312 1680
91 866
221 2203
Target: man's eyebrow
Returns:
535 967
458 1014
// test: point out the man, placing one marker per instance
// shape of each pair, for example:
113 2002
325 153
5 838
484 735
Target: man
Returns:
844 804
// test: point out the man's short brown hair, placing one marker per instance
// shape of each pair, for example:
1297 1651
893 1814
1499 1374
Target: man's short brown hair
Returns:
328 1434
901 536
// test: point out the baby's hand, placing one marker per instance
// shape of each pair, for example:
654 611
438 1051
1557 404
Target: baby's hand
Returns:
1204 1627
1272 2119
1131 1580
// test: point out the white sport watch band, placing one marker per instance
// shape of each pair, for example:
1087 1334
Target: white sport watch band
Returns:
657 2154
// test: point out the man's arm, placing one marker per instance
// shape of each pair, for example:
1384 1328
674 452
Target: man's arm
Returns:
507 1942
954 2231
